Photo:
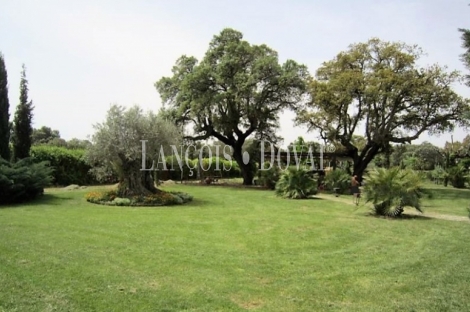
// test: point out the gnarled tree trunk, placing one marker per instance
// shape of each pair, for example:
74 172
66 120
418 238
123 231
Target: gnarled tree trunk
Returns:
362 160
133 181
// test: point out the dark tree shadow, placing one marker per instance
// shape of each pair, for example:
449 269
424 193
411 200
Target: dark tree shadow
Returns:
42 200
402 217
196 202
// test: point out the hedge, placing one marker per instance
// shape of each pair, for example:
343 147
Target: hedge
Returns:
70 166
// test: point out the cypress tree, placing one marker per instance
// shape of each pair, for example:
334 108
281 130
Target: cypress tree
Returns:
22 124
4 112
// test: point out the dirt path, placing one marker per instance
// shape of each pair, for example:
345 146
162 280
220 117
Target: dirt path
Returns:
346 199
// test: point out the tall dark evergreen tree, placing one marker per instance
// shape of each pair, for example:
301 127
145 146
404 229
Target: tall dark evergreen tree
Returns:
22 124
4 112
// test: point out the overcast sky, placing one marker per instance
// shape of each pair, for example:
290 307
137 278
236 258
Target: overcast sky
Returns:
82 56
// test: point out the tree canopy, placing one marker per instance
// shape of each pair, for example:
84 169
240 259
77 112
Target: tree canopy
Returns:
44 135
377 89
235 91
465 57
117 145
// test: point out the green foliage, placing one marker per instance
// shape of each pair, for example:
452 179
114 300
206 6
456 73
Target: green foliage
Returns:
338 179
391 190
70 166
365 85
23 180
237 90
210 166
43 135
457 176
22 123
120 142
439 174
161 198
4 112
223 167
121 201
296 184
465 57
269 176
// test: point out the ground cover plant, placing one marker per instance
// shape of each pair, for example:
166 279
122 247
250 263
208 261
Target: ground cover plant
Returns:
159 198
230 249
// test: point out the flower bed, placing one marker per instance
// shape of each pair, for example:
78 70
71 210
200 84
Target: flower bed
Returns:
161 198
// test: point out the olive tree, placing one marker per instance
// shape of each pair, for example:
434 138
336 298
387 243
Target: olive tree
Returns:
127 142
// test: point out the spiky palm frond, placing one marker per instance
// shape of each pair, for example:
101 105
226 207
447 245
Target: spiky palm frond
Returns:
338 179
296 184
391 190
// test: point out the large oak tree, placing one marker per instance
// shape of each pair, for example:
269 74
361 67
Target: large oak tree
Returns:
236 91
377 89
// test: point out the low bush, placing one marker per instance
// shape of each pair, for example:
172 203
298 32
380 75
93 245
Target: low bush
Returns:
339 179
23 180
457 176
391 190
296 184
161 198
220 166
269 176
439 175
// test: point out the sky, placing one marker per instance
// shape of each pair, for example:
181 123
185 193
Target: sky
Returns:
83 56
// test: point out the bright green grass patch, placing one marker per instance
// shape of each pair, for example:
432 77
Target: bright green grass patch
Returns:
228 250
447 200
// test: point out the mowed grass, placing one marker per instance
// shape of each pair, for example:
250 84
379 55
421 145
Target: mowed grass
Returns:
447 200
232 249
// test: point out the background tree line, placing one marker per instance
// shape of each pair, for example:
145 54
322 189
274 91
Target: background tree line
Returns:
237 91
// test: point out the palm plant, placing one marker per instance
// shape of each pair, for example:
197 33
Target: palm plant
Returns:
296 184
457 176
391 190
269 177
339 179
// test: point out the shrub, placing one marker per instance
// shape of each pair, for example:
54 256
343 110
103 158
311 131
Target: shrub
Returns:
184 196
439 174
296 184
338 179
70 165
391 190
23 180
269 177
228 169
161 198
121 201
457 176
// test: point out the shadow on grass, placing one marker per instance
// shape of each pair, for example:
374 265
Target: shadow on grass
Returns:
196 202
227 185
402 217
45 199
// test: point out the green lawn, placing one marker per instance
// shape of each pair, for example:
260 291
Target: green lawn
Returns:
232 249
447 200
